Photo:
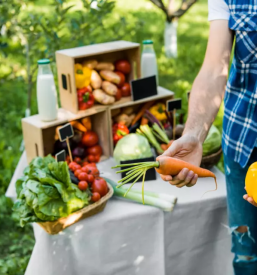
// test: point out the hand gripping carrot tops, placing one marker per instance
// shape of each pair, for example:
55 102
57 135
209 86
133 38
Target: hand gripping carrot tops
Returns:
163 165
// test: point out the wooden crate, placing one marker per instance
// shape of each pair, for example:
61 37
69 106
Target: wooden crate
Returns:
39 136
163 95
107 52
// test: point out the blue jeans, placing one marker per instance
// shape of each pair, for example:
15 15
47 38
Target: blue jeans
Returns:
241 213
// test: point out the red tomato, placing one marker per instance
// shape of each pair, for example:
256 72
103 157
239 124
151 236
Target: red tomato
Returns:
94 150
84 163
123 66
92 164
84 169
83 185
82 176
100 186
95 197
93 171
72 166
118 95
90 178
125 89
77 166
122 79
77 172
91 158
77 160
89 138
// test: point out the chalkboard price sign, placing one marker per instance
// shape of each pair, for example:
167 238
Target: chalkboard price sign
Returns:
61 156
143 87
174 104
65 132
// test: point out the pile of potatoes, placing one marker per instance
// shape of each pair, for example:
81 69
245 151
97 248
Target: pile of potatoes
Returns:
108 85
123 115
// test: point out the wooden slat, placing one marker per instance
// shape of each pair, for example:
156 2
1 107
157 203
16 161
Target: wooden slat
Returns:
98 48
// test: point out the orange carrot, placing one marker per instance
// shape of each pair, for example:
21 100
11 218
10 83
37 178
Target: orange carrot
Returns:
144 121
164 147
145 107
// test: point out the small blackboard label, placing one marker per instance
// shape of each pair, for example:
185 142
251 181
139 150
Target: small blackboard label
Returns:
61 156
143 87
65 132
174 104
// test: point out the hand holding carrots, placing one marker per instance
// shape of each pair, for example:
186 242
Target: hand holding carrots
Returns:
187 148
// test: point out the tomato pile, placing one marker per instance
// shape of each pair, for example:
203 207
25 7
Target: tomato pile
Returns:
89 179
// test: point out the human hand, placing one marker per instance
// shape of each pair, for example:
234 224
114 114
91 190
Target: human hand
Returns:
250 200
187 148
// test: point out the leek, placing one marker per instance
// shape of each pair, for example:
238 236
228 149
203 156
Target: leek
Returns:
137 197
160 133
149 135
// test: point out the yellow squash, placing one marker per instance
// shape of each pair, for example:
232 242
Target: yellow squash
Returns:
251 181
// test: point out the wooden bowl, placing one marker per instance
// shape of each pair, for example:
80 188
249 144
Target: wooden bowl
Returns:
88 211
209 161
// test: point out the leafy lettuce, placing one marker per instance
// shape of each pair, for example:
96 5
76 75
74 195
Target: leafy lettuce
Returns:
46 193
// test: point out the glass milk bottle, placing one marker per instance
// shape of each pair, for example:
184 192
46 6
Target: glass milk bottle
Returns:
148 60
46 92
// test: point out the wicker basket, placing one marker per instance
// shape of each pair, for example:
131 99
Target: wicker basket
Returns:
90 210
209 161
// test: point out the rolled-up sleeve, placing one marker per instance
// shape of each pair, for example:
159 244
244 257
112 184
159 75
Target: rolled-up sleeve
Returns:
218 10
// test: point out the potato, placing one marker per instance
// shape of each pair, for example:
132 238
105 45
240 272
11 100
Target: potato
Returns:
110 76
96 81
91 64
128 110
122 118
104 66
101 97
109 88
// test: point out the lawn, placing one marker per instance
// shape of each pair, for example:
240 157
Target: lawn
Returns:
143 21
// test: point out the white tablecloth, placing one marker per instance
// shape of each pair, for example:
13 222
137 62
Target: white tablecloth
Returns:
132 239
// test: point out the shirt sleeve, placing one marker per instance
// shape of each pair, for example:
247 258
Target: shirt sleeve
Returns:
218 9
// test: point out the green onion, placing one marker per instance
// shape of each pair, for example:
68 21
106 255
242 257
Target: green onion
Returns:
135 196
160 133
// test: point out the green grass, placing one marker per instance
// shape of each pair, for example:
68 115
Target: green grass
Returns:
145 21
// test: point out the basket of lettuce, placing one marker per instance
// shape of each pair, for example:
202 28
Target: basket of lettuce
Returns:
46 195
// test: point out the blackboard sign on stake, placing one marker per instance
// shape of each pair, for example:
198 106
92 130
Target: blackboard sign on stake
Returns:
61 156
172 106
66 132
143 87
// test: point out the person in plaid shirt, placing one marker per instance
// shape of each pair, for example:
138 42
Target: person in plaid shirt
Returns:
230 20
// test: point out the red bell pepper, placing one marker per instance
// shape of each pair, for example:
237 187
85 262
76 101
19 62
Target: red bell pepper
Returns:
85 98
119 130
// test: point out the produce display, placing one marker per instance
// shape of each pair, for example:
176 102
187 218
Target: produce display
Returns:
49 190
84 144
103 82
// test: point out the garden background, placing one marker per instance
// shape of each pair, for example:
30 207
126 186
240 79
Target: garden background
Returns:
31 30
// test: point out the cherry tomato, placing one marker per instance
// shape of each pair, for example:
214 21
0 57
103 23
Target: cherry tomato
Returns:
84 169
83 185
93 171
90 178
76 167
100 186
82 176
123 66
118 95
84 163
92 164
122 79
95 197
94 150
77 172
72 166
125 89
89 138
77 160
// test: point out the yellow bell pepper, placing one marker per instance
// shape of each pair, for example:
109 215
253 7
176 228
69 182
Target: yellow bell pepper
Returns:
158 110
251 181
80 78
87 73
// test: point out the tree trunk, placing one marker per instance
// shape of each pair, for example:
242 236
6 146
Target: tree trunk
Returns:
170 39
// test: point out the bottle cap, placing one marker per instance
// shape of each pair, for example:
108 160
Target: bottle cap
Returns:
43 61
147 42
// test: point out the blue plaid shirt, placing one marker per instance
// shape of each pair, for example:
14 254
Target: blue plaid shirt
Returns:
240 116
